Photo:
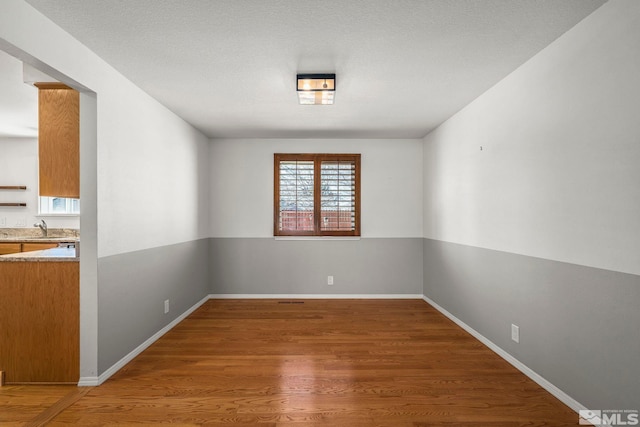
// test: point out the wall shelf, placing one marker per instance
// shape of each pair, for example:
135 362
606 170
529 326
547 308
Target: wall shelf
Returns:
13 187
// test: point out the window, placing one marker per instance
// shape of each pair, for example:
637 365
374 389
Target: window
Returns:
316 195
59 206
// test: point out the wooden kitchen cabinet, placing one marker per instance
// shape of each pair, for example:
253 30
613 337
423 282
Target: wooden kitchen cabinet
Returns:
28 247
59 140
39 314
13 248
10 248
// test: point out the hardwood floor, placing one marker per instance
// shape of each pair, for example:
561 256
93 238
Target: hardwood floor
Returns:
316 362
24 405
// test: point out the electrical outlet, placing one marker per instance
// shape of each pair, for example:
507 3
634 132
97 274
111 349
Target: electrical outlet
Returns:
21 222
329 280
3 221
166 306
515 333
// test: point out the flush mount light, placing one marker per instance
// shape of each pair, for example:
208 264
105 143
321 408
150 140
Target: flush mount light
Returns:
316 89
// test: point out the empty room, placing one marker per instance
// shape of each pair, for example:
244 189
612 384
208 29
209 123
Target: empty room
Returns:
297 213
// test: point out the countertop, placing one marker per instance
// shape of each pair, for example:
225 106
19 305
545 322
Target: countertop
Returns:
50 255
35 235
38 239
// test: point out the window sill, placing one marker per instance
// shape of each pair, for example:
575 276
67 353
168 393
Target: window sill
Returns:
317 237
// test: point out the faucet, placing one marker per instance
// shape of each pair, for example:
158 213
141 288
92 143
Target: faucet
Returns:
42 225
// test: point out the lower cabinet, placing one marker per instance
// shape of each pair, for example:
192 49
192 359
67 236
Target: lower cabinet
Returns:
39 314
28 247
14 248
10 248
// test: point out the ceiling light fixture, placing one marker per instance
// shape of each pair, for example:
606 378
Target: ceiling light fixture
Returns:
316 89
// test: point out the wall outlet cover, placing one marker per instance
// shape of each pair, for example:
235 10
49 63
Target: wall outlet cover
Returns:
515 333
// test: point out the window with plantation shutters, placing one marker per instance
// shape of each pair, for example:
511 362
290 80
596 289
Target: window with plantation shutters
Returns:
316 194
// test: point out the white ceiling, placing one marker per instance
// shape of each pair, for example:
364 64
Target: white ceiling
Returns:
228 67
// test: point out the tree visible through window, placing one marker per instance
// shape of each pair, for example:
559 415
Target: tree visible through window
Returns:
317 194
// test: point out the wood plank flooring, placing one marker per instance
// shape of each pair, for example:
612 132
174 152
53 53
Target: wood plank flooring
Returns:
23 405
316 362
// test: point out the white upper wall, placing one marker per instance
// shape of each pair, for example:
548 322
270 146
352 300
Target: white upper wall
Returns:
242 184
152 166
558 175
19 166
152 175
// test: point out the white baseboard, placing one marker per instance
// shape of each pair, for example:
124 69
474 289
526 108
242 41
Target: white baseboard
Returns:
315 296
541 381
86 381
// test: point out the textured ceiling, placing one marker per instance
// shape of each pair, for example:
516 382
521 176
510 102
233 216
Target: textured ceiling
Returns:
228 67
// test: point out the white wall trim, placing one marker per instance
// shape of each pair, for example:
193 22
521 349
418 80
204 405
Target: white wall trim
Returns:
315 296
91 381
541 381
88 382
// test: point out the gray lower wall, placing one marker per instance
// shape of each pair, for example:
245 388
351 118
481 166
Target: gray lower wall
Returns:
132 290
579 326
269 266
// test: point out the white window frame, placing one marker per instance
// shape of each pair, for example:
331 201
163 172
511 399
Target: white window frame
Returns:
45 206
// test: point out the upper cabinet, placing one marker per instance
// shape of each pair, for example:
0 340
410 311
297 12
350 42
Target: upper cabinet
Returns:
59 140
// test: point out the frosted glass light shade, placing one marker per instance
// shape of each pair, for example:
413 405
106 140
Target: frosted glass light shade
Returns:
316 89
